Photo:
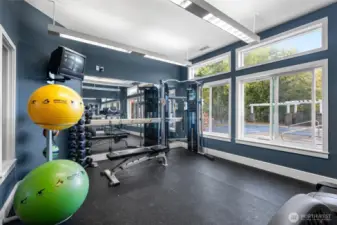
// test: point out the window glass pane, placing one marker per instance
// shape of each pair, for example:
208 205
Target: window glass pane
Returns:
205 109
282 49
212 68
220 109
257 105
319 109
295 125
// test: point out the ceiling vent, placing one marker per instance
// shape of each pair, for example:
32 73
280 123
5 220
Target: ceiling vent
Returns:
204 48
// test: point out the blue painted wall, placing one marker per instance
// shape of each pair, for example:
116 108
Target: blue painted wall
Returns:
34 45
325 167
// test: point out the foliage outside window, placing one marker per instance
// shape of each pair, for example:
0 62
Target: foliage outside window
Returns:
216 108
299 41
283 109
211 67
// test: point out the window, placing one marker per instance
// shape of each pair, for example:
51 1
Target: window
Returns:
303 40
8 102
217 109
286 107
211 67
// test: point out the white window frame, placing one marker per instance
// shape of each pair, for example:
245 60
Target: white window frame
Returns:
212 60
240 109
7 166
214 135
321 23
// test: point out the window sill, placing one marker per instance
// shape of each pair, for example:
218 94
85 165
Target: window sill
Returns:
216 137
308 152
7 168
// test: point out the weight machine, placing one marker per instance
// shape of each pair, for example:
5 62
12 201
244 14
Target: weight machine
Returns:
193 113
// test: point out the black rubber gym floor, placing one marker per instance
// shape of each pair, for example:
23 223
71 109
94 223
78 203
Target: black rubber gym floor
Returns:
191 190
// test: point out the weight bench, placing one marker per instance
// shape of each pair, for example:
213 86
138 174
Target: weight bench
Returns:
133 157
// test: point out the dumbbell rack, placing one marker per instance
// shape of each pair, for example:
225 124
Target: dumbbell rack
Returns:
78 145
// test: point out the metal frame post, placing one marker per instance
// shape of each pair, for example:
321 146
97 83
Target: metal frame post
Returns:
162 111
313 107
200 119
49 145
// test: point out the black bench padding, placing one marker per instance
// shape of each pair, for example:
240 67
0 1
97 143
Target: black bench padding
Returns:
115 135
136 152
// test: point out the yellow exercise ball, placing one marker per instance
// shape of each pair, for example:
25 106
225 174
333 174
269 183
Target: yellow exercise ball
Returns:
55 107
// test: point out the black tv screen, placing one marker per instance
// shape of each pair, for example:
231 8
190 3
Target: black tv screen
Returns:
66 64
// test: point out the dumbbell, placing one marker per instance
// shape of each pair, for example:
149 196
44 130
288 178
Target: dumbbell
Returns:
81 137
89 160
71 149
72 154
88 135
72 144
88 114
72 136
81 154
88 151
73 129
88 144
73 159
81 122
87 107
81 145
80 129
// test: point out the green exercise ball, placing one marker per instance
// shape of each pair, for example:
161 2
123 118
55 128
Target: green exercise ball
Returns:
51 193
55 150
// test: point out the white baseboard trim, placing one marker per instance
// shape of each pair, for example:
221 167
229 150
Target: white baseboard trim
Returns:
273 168
8 204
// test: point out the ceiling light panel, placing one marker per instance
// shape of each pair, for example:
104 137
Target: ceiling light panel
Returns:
227 27
182 3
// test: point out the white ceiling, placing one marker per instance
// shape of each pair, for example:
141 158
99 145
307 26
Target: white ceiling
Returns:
162 27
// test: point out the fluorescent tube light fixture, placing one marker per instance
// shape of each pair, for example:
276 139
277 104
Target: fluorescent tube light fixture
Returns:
101 42
227 27
93 43
182 3
101 88
208 12
89 98
163 60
